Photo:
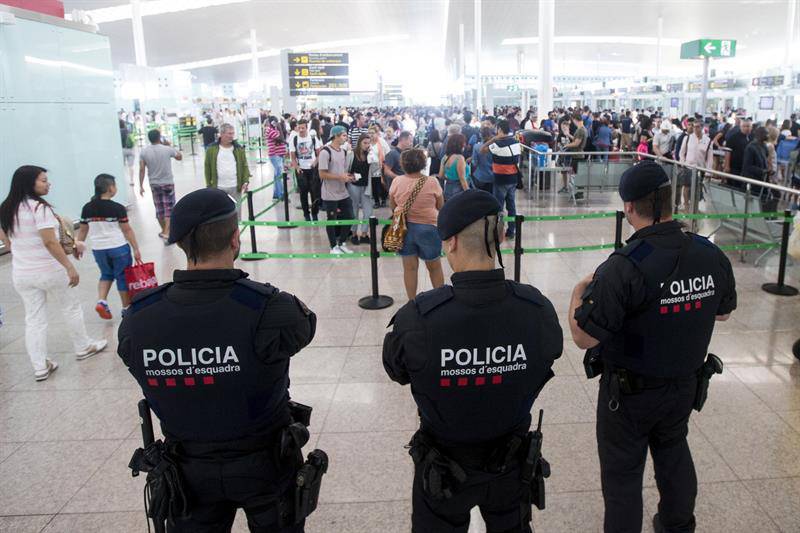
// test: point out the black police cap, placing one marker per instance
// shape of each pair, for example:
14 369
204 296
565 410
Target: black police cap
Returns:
641 179
463 209
197 208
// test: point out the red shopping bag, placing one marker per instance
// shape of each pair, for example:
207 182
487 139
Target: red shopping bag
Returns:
139 277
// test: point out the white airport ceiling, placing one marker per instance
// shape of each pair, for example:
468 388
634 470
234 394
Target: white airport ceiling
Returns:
412 39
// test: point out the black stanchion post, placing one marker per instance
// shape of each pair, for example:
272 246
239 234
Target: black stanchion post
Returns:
261 160
518 219
251 217
374 300
618 230
285 180
780 288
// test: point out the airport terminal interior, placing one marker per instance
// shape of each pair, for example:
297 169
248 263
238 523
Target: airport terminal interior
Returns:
586 89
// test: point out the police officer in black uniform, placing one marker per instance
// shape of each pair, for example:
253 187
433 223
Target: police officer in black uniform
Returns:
646 316
211 352
476 354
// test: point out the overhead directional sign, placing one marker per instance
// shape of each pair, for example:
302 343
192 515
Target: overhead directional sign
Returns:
768 81
316 71
722 84
700 48
674 87
319 58
392 91
315 85
319 73
649 89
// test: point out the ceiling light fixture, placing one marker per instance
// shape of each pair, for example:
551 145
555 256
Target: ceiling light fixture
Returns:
590 39
274 52
154 7
67 64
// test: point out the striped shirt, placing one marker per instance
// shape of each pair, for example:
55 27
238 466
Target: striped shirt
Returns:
505 160
275 146
29 257
354 133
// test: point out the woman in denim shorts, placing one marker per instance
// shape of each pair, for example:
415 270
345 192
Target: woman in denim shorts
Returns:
422 240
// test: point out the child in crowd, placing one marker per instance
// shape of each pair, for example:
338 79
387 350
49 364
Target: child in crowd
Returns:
106 223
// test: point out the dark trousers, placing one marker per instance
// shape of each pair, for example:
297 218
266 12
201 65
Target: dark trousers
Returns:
656 419
338 210
379 192
498 498
484 186
309 184
255 482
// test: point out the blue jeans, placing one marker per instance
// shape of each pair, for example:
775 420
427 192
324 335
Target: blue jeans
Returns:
505 194
277 165
451 188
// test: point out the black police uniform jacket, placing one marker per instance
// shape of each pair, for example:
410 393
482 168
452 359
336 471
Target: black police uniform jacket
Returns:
653 303
476 354
211 353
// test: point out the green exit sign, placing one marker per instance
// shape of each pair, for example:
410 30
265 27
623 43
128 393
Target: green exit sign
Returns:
701 48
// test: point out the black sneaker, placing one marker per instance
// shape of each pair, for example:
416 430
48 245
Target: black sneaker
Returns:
365 240
376 205
355 240
509 235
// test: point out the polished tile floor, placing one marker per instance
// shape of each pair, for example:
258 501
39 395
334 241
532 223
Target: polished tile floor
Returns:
65 443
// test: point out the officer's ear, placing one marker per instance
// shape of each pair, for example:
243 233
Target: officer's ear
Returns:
451 244
628 209
236 241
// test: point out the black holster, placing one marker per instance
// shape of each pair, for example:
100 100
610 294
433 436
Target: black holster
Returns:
165 495
441 476
535 469
308 484
712 365
308 480
592 363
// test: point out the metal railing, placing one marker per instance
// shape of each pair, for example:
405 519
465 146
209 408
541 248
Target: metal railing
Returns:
694 197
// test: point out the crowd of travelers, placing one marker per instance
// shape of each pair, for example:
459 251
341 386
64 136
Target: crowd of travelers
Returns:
348 163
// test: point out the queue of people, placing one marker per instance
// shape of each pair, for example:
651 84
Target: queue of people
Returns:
471 450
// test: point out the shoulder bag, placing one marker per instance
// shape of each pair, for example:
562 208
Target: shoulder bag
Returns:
66 234
395 234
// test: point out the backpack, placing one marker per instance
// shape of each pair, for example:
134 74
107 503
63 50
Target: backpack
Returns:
330 156
678 144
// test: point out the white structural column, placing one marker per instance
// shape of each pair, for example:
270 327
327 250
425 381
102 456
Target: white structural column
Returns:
478 84
547 11
791 18
138 33
791 15
659 36
254 74
289 104
460 65
521 71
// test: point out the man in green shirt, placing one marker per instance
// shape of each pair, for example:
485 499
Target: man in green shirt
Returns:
226 164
